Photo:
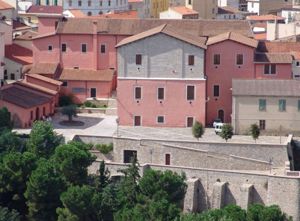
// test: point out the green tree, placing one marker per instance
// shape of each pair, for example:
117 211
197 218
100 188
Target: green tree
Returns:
198 130
227 132
9 215
70 111
5 119
72 161
15 170
255 131
102 180
43 140
9 141
43 192
65 100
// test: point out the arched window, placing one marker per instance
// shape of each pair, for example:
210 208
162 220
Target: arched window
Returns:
89 13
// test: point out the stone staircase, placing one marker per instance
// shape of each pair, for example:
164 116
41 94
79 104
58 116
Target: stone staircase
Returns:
112 104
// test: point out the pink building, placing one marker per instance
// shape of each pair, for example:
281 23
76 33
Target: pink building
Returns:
161 79
233 56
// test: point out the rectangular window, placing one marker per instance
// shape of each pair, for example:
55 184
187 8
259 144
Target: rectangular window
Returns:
262 105
270 69
5 75
79 3
298 105
31 115
191 60
89 3
168 159
217 59
50 48
160 119
216 90
83 48
12 76
262 124
102 49
78 90
100 3
109 2
282 105
137 121
160 93
138 93
65 83
128 155
189 121
138 59
190 95
239 59
64 47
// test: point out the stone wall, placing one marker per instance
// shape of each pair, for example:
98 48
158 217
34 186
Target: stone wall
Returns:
212 188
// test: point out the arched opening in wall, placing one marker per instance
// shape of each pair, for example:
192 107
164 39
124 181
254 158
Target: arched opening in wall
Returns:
221 115
89 13
37 113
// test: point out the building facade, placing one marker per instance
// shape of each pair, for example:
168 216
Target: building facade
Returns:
153 67
207 9
262 7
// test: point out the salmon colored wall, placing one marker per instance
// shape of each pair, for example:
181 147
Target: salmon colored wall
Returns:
283 71
46 25
24 115
175 108
42 83
41 53
224 73
103 89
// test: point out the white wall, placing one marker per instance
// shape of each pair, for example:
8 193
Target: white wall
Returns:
13 68
170 14
253 7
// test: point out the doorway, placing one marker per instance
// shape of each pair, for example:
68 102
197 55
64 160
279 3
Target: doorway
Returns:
221 115
37 113
93 92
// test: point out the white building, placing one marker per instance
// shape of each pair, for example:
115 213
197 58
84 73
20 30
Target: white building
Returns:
262 7
96 7
179 12
238 4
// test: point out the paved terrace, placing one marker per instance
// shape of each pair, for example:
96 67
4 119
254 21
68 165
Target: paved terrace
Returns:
102 125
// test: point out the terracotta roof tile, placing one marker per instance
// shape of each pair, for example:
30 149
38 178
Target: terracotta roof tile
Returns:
43 78
42 9
4 5
184 10
86 75
44 68
279 88
77 13
26 35
18 54
23 97
37 87
264 17
275 58
126 14
234 37
168 30
292 48
196 27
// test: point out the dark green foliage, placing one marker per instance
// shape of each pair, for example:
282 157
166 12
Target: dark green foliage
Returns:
43 140
88 104
198 130
104 148
44 188
255 131
70 111
9 141
5 121
15 170
65 100
102 180
227 132
7 215
72 161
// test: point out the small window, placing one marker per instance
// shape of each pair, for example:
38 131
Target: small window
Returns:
109 2
89 13
137 121
50 48
190 95
79 3
191 60
216 90
262 105
160 119
65 84
167 159
70 3
12 76
262 124
100 2
189 121
89 3
270 69
298 105
160 93
64 47
128 155
138 93
217 59
138 59
239 59
282 105
5 75
102 49
31 115
83 48
297 63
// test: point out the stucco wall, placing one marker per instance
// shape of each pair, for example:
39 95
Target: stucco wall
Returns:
13 68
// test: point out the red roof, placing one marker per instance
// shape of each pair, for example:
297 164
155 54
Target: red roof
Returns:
18 54
184 10
4 5
264 17
127 14
41 9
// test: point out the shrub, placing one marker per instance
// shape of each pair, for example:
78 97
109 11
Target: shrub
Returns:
94 106
255 131
104 148
65 100
227 132
198 130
